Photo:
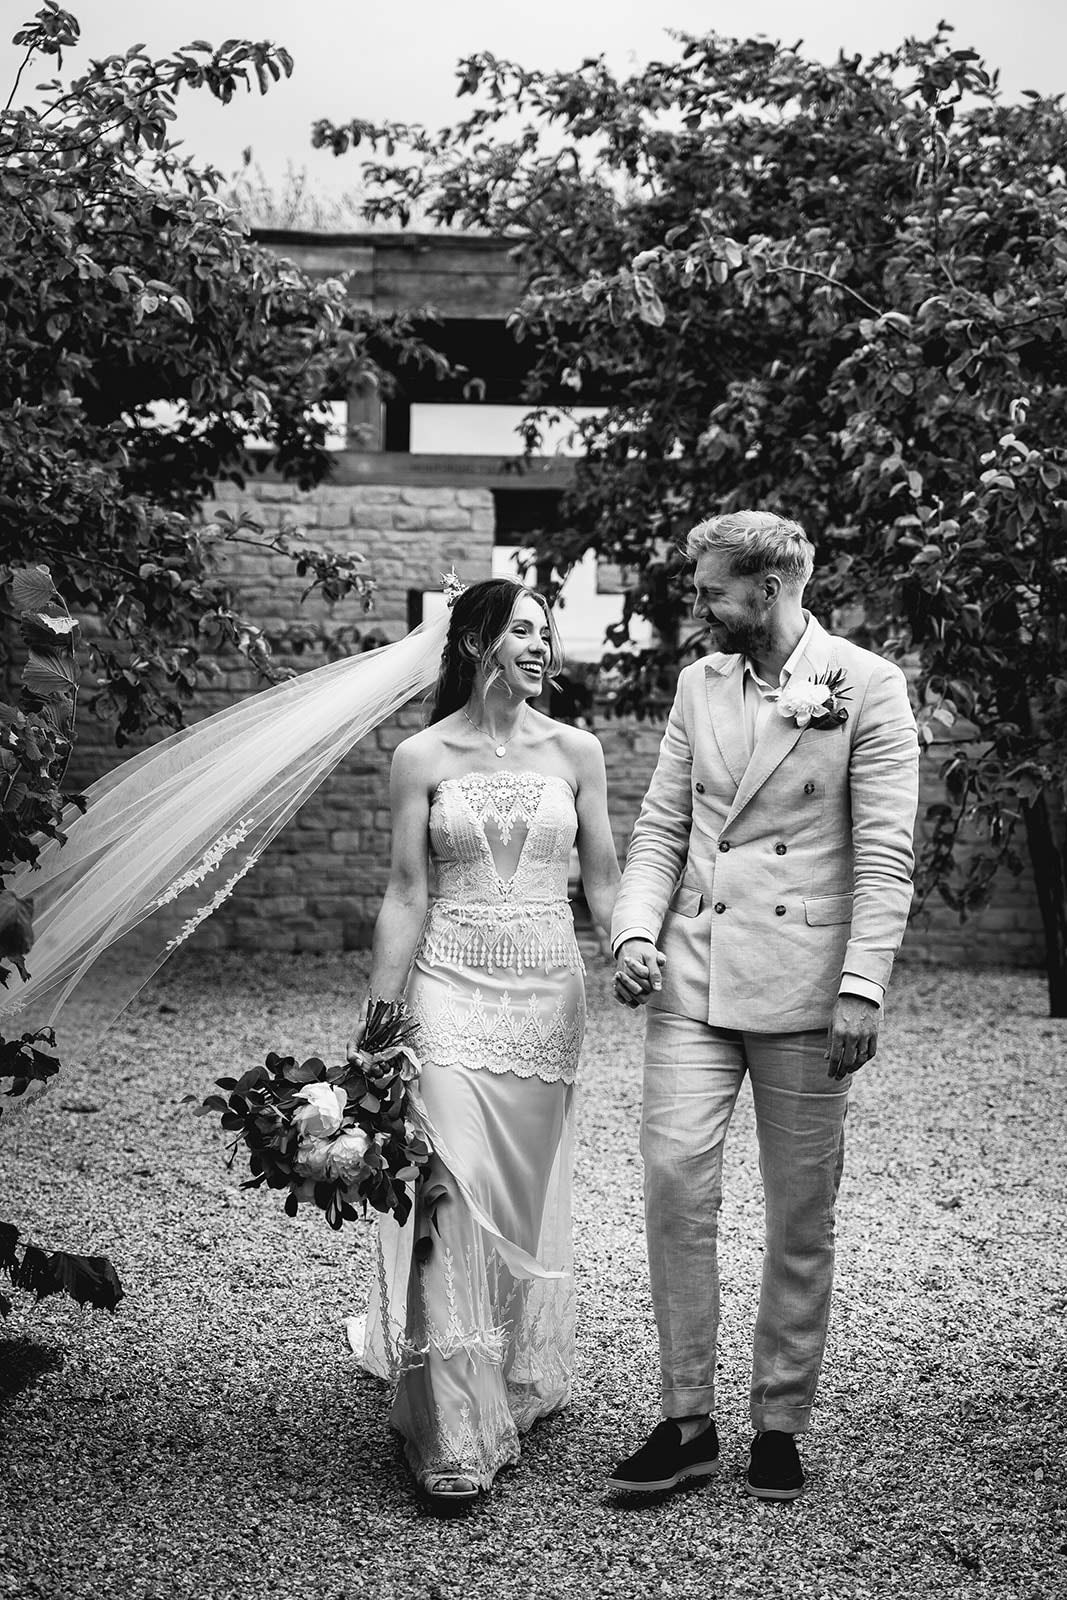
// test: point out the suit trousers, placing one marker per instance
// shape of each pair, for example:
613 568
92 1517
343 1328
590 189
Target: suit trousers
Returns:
693 1073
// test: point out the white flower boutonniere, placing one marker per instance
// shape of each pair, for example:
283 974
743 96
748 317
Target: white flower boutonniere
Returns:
815 702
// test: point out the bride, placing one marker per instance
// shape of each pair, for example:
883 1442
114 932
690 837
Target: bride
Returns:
473 1320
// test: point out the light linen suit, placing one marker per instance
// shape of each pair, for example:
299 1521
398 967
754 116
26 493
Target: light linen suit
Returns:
770 881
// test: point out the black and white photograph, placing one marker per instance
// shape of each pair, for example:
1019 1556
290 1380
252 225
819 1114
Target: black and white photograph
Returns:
533 801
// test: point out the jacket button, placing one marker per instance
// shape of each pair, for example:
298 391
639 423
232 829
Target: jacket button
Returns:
779 849
719 907
779 911
700 788
809 788
724 844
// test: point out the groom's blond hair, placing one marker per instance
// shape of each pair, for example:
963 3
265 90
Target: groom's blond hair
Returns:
756 542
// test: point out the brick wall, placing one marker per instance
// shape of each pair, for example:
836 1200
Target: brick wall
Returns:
319 885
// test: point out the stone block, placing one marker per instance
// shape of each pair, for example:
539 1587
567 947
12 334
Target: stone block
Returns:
448 519
318 939
273 936
375 494
428 496
288 905
410 519
345 841
332 516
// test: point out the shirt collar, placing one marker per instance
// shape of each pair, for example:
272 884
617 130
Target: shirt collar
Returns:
794 659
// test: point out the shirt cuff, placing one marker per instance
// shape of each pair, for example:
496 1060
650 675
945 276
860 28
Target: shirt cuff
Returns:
866 988
630 933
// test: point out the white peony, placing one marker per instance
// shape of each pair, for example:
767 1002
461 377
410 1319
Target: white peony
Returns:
313 1159
799 701
322 1113
345 1155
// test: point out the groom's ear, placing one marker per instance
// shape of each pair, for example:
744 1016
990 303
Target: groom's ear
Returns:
772 586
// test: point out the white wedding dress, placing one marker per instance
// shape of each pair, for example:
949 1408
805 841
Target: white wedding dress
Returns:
478 1335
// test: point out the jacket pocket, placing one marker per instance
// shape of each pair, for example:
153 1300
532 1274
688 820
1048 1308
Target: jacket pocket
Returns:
686 901
826 909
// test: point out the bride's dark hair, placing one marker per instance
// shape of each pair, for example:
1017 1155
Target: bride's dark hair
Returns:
480 619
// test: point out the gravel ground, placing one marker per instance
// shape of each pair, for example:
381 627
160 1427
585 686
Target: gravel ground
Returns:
214 1439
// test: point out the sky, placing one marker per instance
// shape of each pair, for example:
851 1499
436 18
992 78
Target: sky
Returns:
396 58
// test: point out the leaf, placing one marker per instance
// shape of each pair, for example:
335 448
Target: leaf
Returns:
9 1238
32 588
90 1280
49 675
59 625
306 1072
16 925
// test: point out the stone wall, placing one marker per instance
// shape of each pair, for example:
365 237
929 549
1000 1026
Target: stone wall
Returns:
319 885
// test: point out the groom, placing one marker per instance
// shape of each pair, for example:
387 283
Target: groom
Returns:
765 894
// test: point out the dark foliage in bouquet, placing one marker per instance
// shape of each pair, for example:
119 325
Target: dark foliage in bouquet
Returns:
341 1137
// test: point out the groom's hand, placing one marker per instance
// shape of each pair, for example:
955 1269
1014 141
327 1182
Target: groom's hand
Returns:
852 1037
638 969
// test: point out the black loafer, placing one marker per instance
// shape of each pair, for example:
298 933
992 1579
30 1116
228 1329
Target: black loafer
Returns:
663 1461
774 1470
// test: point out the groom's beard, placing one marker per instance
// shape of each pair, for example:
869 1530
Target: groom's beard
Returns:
749 637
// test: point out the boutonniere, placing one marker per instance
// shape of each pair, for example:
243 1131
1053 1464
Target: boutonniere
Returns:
815 702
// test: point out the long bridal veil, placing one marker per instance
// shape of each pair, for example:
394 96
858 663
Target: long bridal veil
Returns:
167 836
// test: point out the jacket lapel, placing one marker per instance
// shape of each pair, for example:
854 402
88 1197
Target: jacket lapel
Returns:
780 734
726 710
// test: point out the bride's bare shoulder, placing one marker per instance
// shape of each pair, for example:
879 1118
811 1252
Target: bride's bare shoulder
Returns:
577 744
421 755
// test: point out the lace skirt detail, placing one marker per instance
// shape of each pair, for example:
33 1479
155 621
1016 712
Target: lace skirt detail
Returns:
500 989
476 1337
493 938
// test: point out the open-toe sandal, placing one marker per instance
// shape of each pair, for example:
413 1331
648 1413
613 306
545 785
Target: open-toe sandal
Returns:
449 1484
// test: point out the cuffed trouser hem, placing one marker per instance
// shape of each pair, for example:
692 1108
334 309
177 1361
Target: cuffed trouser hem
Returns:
687 1402
780 1419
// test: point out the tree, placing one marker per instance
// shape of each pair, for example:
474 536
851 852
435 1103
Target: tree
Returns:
127 287
149 344
833 290
37 739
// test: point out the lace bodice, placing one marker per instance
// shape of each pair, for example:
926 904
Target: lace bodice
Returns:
498 981
502 839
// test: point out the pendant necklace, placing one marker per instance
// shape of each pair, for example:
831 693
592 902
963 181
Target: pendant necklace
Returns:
501 748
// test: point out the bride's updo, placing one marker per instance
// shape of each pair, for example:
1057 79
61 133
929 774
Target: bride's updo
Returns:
480 619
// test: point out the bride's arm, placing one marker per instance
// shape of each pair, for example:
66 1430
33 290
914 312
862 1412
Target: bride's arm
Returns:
403 910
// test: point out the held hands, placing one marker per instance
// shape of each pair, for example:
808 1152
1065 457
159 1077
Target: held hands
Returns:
852 1037
638 969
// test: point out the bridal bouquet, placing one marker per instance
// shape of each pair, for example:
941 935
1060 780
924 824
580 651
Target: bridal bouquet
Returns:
339 1137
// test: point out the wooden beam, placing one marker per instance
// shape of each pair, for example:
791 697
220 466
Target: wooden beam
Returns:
437 471
461 275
